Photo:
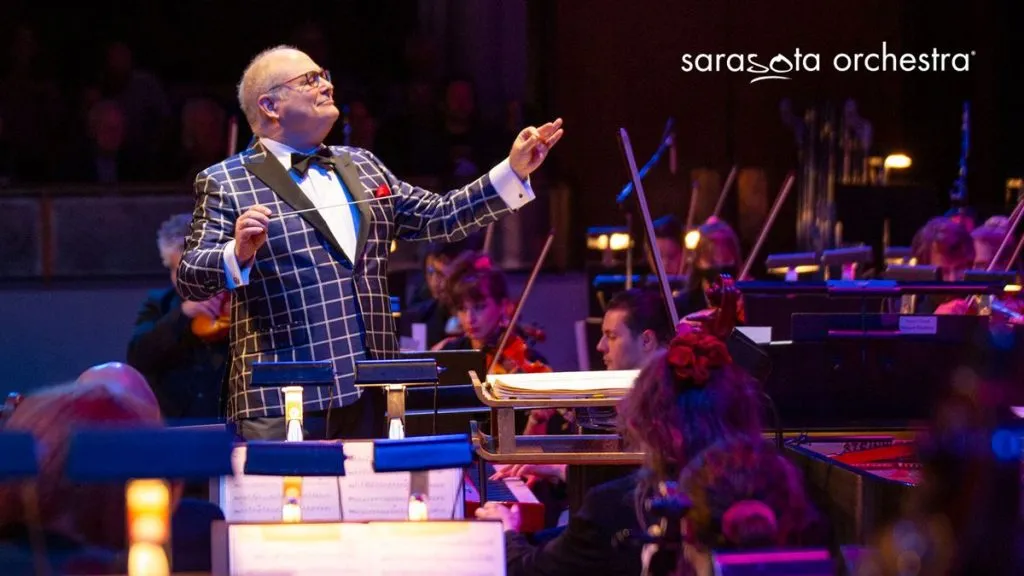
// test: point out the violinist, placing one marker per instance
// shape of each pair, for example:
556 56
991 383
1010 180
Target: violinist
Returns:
478 296
181 347
717 252
947 245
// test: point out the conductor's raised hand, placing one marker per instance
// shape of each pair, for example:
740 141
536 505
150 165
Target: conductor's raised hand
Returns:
251 232
532 145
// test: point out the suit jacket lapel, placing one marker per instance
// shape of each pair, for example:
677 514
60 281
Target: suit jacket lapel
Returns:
265 167
350 176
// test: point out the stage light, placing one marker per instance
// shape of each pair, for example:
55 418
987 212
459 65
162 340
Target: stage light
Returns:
897 162
618 241
692 239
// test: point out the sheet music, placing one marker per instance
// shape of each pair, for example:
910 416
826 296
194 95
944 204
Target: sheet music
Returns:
614 383
442 548
360 495
297 550
259 498
366 495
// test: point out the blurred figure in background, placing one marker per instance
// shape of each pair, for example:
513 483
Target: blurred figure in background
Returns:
185 369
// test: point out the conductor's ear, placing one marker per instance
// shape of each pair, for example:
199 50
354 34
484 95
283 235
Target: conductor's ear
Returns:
267 105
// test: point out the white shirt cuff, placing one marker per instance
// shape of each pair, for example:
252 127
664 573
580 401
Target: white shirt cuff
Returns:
236 276
515 192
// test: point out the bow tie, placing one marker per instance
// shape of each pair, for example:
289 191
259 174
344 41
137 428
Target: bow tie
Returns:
322 157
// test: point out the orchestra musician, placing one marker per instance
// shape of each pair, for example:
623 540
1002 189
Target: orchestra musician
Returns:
308 273
478 296
688 397
987 239
427 305
946 244
183 364
717 252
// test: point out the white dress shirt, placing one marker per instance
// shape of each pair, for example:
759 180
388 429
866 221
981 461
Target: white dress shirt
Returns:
325 188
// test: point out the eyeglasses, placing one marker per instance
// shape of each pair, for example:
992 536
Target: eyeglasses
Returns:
309 79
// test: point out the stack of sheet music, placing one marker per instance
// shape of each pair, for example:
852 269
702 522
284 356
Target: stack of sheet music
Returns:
596 384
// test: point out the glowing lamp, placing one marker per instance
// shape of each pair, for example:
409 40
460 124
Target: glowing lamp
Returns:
692 239
897 162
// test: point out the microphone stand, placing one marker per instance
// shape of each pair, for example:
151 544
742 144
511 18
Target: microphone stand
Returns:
667 141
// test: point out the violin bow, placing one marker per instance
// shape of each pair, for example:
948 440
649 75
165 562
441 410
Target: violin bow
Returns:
787 185
659 266
522 299
725 190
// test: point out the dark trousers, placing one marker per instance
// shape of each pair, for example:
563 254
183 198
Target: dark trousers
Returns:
363 419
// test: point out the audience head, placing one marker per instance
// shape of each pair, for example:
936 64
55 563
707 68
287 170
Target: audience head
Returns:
203 128
91 513
286 97
987 239
170 240
107 126
687 398
744 494
635 326
945 244
478 294
127 378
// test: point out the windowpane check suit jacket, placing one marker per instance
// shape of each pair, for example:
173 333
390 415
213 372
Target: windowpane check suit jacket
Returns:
305 299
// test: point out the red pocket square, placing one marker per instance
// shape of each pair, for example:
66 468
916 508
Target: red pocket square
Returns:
382 191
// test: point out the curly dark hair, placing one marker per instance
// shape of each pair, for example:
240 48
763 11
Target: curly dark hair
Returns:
745 494
671 419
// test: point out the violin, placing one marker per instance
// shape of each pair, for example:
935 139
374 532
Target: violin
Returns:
210 329
514 356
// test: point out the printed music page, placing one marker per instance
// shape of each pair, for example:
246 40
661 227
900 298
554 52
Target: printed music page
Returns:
260 498
366 495
440 548
613 383
300 550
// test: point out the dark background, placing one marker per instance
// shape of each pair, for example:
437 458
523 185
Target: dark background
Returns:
607 64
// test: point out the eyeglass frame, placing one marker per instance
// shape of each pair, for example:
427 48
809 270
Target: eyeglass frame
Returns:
313 79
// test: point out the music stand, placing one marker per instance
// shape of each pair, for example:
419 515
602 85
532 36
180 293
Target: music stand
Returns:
146 459
291 378
791 265
394 376
293 461
418 456
849 259
904 273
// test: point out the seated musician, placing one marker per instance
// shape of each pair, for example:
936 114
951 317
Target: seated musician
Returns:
668 237
688 397
718 252
635 329
987 239
744 495
427 305
183 363
947 245
478 295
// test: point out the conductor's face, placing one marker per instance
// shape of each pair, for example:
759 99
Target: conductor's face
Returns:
301 97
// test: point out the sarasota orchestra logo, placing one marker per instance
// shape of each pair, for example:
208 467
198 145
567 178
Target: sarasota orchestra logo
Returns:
783 66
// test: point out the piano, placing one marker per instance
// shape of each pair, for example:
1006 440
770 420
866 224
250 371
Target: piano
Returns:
859 480
508 491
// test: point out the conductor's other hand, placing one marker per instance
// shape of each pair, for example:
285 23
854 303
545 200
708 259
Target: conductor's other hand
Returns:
532 145
251 232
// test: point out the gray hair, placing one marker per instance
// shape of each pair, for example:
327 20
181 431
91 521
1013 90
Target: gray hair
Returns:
173 232
254 83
